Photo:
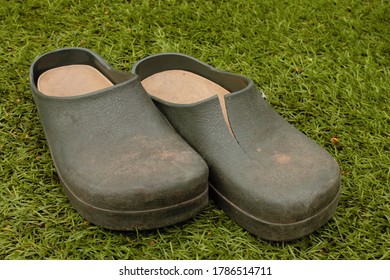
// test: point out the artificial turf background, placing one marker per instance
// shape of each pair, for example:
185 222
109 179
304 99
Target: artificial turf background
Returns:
324 66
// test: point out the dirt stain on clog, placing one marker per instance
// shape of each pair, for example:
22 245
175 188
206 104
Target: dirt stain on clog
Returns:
281 158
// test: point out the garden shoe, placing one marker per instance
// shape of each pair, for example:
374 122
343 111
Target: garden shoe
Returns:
120 162
265 174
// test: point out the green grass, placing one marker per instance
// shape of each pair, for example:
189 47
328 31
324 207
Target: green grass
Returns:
324 65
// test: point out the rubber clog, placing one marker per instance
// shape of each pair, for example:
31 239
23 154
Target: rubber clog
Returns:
265 174
120 162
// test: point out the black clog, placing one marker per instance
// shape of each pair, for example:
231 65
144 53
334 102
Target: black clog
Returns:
268 177
120 162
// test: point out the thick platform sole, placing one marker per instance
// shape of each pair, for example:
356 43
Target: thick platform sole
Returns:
274 231
140 220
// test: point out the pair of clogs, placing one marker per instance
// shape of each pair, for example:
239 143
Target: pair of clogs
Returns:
143 149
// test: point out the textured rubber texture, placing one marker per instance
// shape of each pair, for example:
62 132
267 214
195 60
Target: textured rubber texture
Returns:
275 231
268 176
120 162
140 220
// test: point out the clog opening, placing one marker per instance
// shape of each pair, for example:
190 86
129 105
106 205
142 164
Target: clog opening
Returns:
185 87
72 80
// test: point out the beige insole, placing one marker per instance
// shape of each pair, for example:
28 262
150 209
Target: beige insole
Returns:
184 87
72 80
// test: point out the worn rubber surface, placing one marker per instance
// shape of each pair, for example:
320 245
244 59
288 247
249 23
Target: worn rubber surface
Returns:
268 176
120 162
